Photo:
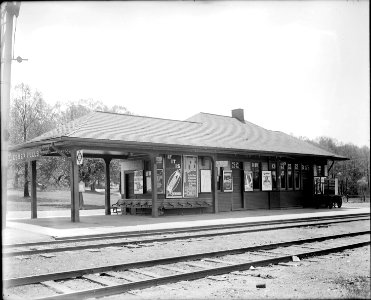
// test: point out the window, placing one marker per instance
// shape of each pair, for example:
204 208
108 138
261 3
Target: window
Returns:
273 168
289 176
283 175
255 167
297 177
319 170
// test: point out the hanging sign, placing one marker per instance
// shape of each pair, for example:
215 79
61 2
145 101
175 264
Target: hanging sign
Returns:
266 180
138 182
248 181
190 177
148 181
205 181
173 174
160 181
227 181
79 157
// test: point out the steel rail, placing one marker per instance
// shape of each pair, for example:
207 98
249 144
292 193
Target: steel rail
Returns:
166 260
192 275
182 230
164 239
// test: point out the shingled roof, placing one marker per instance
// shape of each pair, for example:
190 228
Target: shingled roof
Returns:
200 131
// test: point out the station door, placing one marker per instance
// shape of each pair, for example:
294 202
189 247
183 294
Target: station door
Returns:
129 185
237 198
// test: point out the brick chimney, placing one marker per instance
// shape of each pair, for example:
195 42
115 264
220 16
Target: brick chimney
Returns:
238 114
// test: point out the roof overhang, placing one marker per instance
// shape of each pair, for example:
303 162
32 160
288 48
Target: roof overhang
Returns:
124 149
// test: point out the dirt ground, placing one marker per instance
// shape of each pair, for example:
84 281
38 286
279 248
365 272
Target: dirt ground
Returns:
340 275
344 275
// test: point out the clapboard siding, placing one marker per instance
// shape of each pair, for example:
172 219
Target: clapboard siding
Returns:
256 200
225 201
291 199
274 199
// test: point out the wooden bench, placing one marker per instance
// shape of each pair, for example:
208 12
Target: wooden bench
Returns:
118 205
363 197
184 205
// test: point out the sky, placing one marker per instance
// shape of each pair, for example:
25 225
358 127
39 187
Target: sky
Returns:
301 67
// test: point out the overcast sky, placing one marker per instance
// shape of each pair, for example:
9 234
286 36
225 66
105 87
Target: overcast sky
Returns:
297 67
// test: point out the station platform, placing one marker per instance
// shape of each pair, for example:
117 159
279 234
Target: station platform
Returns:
57 224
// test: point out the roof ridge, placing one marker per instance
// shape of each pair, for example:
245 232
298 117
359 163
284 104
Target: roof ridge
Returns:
78 127
129 115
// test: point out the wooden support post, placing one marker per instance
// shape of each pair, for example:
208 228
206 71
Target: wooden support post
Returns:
33 191
154 186
214 184
108 187
74 183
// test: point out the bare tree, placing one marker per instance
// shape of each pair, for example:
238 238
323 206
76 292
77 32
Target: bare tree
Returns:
30 117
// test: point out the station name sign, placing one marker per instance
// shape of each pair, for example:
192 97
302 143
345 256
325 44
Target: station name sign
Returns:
34 154
24 155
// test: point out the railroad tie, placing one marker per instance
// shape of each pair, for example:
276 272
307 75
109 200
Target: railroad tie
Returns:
146 273
172 269
99 279
57 287
221 261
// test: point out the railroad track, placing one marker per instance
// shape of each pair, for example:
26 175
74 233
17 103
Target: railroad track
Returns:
127 239
120 278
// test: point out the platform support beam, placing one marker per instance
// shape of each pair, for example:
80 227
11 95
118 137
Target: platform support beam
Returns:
74 183
107 201
154 186
214 184
33 191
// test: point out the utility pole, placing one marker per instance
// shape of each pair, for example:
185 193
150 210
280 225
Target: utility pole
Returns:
9 10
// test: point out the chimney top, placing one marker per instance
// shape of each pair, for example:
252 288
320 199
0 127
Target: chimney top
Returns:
238 114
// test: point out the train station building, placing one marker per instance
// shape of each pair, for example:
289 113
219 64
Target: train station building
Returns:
207 163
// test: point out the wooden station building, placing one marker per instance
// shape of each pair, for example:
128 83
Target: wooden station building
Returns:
209 162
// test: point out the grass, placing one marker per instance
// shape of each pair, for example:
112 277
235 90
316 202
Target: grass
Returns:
56 200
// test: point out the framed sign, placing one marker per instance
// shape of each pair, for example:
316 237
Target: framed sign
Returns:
205 181
190 189
266 180
227 181
248 181
173 174
138 182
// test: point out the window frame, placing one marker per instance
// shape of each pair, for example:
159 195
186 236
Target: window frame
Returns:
256 169
283 168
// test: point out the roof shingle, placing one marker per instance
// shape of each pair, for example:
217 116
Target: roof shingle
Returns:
201 130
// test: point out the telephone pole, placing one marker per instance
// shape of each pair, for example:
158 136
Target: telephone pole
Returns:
9 10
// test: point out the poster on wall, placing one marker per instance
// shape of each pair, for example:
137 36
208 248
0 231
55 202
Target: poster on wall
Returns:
160 181
190 176
148 181
227 181
138 182
266 180
173 174
248 181
205 181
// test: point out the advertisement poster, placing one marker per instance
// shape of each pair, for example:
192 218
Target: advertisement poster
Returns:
148 181
138 182
248 181
266 180
205 181
190 177
173 174
160 181
227 181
